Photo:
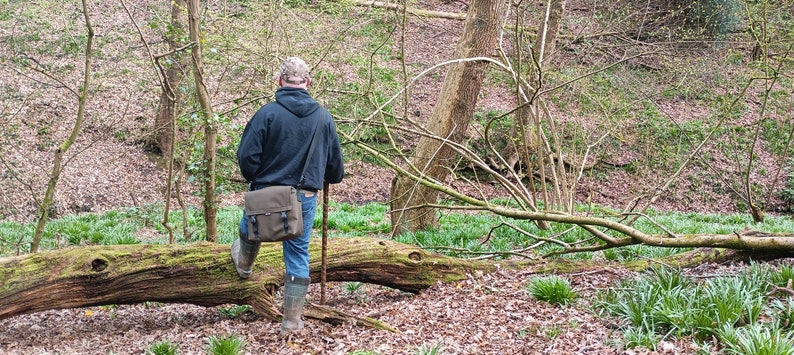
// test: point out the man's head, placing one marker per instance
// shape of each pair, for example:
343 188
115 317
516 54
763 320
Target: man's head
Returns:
294 72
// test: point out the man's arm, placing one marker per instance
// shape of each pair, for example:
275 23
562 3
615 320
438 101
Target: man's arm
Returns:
249 152
334 168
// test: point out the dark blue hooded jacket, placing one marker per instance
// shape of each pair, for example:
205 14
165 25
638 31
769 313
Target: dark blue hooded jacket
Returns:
276 140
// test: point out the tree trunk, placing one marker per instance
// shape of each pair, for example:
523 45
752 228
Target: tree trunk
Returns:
450 119
57 165
702 256
164 123
210 129
410 10
555 11
203 274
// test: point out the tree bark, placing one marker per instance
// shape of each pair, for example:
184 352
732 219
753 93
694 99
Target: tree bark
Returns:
210 127
203 274
58 164
450 119
546 42
701 256
164 123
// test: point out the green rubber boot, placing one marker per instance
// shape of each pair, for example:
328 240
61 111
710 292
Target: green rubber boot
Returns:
243 254
295 289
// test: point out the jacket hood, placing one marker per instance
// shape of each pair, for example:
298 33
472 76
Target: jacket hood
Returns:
298 101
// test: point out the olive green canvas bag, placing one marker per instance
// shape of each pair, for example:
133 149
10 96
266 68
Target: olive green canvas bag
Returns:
274 214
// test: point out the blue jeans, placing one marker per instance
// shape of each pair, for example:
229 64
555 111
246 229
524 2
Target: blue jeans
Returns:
296 251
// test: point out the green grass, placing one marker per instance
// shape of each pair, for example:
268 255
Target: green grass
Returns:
757 339
234 310
775 133
782 311
783 276
356 221
225 345
356 290
552 289
353 287
164 347
427 349
362 352
734 309
460 234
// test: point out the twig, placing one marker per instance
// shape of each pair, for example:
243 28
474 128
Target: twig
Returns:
486 254
787 290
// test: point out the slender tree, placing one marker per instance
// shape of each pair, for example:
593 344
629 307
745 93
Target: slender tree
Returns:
210 127
60 151
547 38
450 119
170 96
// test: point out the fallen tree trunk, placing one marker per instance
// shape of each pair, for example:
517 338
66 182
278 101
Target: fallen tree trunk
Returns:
203 274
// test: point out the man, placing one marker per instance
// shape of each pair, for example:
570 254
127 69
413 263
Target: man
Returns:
272 150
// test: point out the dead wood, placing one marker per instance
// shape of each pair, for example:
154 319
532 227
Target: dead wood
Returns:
203 274
701 256
412 11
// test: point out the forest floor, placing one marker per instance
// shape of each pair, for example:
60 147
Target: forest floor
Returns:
486 314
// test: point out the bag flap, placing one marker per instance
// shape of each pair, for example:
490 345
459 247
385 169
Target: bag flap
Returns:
270 199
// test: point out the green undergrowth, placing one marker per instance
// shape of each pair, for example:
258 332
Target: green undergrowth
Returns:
225 345
459 234
739 310
552 289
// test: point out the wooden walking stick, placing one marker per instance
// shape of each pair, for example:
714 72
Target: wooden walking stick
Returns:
325 243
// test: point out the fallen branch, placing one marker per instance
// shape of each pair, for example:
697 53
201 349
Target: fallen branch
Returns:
412 11
203 274
775 289
707 255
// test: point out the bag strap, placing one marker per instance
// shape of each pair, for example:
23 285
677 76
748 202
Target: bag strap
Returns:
311 150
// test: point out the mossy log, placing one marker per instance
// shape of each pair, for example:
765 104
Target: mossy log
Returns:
707 256
203 274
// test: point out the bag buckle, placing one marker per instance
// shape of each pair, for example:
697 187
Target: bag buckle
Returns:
256 227
286 223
